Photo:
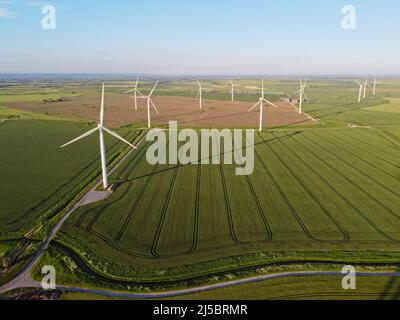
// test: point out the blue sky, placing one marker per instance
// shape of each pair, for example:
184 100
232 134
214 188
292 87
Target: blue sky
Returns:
201 37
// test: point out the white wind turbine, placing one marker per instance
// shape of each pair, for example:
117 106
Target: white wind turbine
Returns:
374 91
135 93
101 129
302 94
233 90
260 103
360 91
365 88
200 94
150 104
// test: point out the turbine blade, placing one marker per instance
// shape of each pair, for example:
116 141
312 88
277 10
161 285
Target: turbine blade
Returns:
308 100
269 102
80 137
137 82
153 105
119 137
262 85
154 88
102 107
129 91
253 107
139 93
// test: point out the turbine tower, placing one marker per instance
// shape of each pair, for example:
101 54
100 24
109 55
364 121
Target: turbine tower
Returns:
302 94
200 94
374 92
360 91
260 103
101 129
150 104
365 88
135 93
233 90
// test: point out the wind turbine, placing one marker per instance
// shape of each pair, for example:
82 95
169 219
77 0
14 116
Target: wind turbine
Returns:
360 91
365 88
233 90
200 95
302 93
374 92
135 93
101 129
260 103
150 104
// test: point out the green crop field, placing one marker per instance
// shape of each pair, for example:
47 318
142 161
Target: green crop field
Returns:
314 190
37 175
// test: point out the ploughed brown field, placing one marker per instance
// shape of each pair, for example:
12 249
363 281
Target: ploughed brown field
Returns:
120 111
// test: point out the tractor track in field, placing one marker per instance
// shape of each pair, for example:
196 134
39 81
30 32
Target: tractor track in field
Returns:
367 193
370 154
230 215
156 239
134 207
285 198
374 146
364 215
339 194
195 222
384 135
228 209
115 243
367 152
388 135
353 166
125 193
316 200
261 211
101 210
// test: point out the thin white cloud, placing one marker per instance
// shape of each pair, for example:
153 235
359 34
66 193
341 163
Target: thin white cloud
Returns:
5 13
36 3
